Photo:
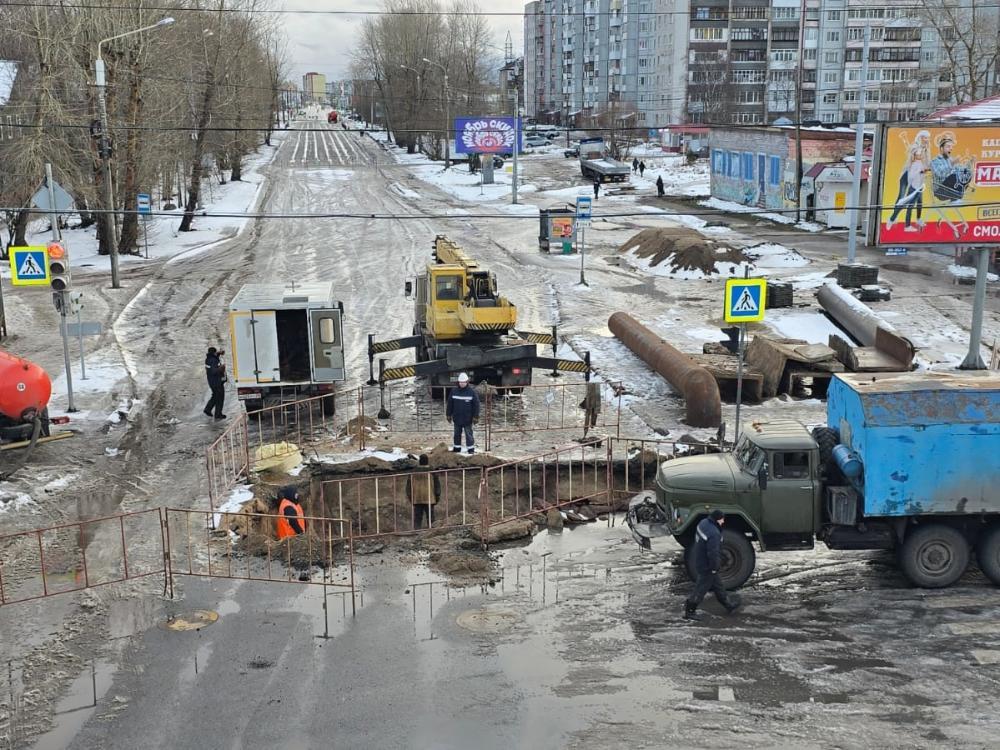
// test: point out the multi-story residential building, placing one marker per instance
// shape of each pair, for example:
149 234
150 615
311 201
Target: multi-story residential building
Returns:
588 58
314 87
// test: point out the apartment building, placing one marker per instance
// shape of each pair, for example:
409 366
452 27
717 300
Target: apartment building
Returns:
584 58
314 87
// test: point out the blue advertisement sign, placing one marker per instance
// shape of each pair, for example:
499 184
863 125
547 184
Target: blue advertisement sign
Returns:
486 135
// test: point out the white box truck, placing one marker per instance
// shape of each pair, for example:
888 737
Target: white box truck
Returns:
287 343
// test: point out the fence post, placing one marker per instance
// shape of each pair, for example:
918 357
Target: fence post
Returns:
484 506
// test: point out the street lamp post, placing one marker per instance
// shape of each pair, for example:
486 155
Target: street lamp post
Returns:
447 114
417 72
105 144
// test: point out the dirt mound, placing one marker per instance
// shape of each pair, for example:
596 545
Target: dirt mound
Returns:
684 249
355 425
461 564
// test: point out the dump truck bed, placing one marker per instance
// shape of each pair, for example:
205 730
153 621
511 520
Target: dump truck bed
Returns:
929 442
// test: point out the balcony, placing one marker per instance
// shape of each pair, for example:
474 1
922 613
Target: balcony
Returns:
568 46
615 54
615 19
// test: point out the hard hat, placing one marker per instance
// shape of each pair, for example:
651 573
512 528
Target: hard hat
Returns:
463 378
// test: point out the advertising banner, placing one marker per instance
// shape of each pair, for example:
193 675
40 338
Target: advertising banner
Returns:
940 185
486 135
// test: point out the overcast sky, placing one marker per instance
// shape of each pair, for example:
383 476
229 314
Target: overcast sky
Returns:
323 43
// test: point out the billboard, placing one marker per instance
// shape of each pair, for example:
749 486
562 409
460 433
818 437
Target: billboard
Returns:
486 135
940 185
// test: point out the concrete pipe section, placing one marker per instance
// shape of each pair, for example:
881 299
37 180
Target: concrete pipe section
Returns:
696 384
853 315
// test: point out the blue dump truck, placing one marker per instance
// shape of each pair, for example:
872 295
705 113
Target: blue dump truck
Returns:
908 462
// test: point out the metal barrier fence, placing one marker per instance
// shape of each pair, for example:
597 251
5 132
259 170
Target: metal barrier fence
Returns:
380 505
549 407
530 486
171 542
632 463
404 410
227 459
245 547
81 555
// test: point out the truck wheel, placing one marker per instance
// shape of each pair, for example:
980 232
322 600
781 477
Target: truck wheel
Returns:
737 559
934 556
988 552
254 408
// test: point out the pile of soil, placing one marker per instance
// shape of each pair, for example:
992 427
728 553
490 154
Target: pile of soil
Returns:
461 564
356 424
684 249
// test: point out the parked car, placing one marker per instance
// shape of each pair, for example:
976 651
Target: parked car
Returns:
536 140
572 153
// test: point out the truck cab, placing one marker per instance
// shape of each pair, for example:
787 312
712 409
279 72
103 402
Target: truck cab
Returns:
770 488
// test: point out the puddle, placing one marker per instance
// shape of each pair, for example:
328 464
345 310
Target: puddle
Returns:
196 665
78 705
329 608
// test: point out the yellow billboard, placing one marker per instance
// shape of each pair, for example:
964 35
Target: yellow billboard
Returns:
940 185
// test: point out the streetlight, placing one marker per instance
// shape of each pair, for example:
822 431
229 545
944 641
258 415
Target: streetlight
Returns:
447 114
104 147
417 140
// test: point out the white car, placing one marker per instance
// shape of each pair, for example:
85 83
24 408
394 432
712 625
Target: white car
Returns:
536 140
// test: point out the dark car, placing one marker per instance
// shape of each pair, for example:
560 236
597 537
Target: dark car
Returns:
572 153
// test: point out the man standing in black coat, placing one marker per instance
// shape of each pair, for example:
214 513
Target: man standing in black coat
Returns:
463 410
707 549
215 371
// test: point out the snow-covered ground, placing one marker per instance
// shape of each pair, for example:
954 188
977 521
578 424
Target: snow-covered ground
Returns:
738 208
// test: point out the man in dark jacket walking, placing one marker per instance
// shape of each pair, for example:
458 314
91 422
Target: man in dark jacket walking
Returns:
659 186
597 187
707 549
463 411
635 165
215 371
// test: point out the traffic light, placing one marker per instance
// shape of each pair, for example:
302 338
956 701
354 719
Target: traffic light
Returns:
59 273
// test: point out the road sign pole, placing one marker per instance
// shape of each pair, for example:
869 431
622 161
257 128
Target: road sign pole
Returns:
63 303
145 236
739 378
582 255
973 360
79 336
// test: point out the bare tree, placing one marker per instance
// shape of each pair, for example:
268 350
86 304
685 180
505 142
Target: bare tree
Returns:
969 39
617 121
711 91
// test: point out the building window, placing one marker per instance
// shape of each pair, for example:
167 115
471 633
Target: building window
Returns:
744 34
850 96
774 173
831 57
924 96
783 55
734 164
854 74
833 15
812 34
752 13
855 34
809 54
718 158
832 117
701 14
708 34
809 76
747 165
833 36
831 77
785 14
830 98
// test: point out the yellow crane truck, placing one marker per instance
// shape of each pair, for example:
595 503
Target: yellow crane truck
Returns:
462 324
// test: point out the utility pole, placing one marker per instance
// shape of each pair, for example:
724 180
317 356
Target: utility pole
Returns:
973 360
859 145
517 141
447 114
798 119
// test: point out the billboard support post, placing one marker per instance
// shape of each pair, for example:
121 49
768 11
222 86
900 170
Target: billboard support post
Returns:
973 360
859 161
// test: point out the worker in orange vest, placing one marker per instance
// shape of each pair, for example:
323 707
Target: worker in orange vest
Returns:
291 520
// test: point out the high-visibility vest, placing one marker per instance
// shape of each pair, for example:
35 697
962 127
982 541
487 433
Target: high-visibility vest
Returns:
283 527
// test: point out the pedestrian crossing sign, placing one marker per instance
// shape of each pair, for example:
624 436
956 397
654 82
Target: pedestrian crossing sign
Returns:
29 266
745 300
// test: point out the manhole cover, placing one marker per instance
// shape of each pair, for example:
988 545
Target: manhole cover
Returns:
487 620
196 620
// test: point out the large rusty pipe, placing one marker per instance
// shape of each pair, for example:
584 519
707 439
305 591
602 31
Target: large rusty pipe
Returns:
852 314
696 384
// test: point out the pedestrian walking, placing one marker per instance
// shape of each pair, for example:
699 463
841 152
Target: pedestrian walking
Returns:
707 549
463 412
642 168
291 520
215 371
597 188
659 186
424 490
635 165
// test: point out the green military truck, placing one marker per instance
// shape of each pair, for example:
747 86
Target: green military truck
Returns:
907 462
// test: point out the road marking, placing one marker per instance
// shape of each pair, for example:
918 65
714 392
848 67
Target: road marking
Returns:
949 602
341 153
983 627
326 149
986 656
298 136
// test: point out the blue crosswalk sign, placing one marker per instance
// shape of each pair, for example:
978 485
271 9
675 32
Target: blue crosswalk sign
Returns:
29 266
745 300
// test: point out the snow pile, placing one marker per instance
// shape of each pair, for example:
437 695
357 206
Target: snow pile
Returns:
812 326
968 272
238 496
773 255
458 182
738 208
15 503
